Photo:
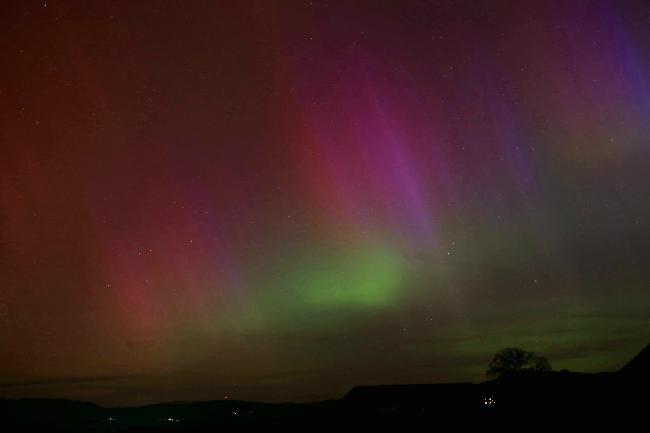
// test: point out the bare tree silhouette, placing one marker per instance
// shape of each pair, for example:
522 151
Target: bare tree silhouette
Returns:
516 359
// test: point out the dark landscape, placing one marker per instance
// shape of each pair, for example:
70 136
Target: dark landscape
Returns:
525 396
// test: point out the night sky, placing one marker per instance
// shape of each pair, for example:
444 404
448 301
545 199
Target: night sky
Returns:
278 200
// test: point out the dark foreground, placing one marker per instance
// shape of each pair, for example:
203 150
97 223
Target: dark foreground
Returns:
554 401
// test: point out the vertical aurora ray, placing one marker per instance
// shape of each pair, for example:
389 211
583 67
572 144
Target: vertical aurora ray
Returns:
361 165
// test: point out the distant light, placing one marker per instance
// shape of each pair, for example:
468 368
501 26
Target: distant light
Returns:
489 401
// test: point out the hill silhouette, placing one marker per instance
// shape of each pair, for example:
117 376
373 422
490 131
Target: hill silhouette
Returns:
581 398
639 366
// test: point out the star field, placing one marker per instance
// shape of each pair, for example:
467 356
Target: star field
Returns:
280 200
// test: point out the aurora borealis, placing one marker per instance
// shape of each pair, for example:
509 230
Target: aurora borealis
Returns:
278 200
